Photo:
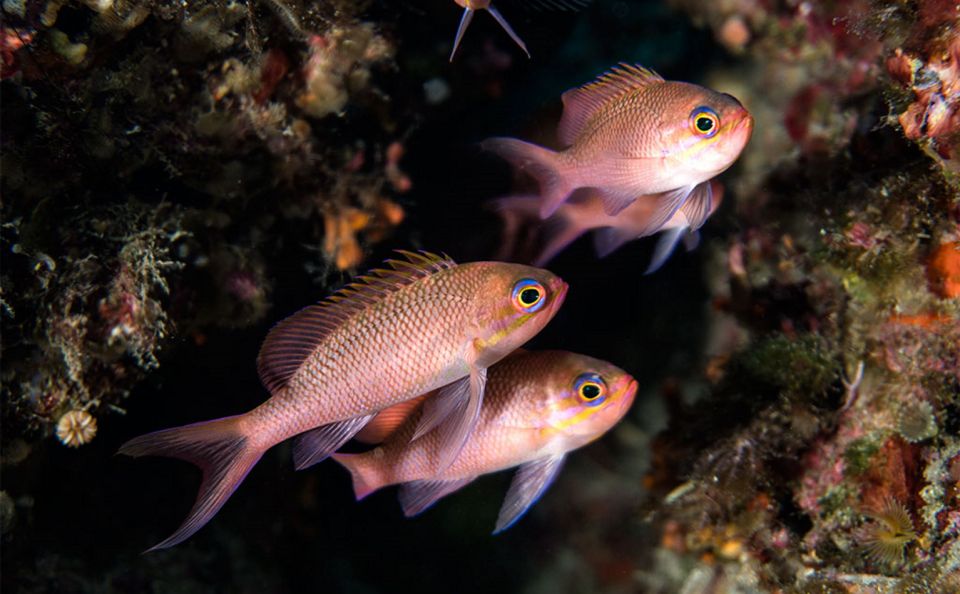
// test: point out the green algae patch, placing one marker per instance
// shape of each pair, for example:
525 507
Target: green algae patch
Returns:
858 455
800 366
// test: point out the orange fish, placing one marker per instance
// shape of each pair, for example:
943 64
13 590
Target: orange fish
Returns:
630 134
395 334
582 214
539 406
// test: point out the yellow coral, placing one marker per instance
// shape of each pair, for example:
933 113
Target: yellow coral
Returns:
76 428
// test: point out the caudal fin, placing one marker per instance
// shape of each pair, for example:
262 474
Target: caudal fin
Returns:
543 164
221 451
364 474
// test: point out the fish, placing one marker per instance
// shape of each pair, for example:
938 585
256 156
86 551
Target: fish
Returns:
420 323
540 406
585 213
470 7
630 133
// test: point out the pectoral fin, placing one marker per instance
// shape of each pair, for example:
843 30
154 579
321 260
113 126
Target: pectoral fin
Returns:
317 444
531 480
454 412
616 199
698 205
389 420
416 496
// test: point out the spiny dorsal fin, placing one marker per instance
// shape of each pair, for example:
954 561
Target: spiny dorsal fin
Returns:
580 104
292 340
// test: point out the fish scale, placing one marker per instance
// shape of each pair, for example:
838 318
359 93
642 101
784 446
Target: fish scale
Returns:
390 337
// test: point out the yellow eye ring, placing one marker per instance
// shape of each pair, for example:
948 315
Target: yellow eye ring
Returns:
528 295
590 389
704 122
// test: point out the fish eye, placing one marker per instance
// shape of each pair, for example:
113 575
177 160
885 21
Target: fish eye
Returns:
590 389
528 295
705 122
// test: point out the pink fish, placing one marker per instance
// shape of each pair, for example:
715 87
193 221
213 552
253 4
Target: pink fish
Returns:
472 6
582 214
539 407
393 335
630 134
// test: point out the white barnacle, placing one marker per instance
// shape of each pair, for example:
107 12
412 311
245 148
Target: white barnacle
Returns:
76 428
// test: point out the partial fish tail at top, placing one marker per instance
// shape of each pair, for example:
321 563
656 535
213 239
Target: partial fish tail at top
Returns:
221 450
468 13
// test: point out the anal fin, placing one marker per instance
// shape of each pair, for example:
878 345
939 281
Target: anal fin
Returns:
317 444
529 483
609 239
665 246
417 496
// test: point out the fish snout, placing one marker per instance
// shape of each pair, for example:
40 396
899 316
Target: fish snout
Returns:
627 400
745 122
559 289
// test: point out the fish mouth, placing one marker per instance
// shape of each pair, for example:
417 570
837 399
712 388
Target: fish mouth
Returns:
628 395
745 123
561 295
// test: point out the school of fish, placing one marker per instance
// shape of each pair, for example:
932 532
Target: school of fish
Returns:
421 358
632 140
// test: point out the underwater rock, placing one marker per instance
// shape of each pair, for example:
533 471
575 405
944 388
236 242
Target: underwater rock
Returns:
218 104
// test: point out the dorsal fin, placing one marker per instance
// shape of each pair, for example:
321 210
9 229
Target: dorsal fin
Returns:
292 340
581 104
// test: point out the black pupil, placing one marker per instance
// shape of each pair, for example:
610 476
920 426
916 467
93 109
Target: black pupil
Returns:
704 124
590 391
529 296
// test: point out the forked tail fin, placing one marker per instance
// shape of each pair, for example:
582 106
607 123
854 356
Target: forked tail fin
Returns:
364 474
222 452
543 164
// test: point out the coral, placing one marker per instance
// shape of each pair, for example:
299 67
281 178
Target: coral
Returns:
836 396
933 78
916 421
201 144
339 61
76 428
